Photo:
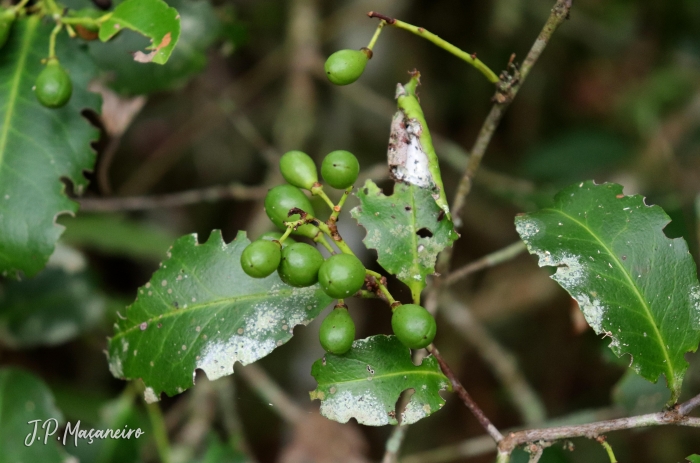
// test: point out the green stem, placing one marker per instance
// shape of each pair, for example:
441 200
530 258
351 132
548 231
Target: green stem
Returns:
160 435
53 8
608 449
83 21
318 191
286 234
321 239
445 45
20 5
344 248
341 203
381 25
52 41
382 288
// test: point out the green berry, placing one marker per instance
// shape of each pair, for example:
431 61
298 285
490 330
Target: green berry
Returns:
341 276
413 325
299 265
346 66
298 169
260 258
7 18
340 169
337 331
276 236
280 200
53 86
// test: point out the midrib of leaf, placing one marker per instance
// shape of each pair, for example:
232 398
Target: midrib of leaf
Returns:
178 312
33 22
669 368
388 375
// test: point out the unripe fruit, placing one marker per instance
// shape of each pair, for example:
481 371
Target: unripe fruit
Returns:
341 276
346 66
298 169
340 169
260 258
7 18
280 200
337 331
413 325
53 86
299 265
275 236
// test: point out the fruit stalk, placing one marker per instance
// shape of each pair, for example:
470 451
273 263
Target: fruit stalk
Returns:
470 58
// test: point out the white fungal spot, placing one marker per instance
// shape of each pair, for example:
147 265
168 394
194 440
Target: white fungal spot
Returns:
593 311
528 227
217 358
365 408
413 412
150 395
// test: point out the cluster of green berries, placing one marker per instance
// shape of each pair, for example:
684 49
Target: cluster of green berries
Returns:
300 264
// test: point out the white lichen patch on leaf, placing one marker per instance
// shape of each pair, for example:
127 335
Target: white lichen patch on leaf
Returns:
570 272
527 228
217 359
413 412
365 408
150 395
594 311
408 161
695 300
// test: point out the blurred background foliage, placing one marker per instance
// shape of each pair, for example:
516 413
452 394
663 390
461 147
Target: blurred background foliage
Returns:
615 97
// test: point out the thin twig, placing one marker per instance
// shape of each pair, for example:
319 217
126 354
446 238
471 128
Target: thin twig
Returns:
482 445
264 386
502 362
466 398
559 13
686 407
593 430
183 198
489 260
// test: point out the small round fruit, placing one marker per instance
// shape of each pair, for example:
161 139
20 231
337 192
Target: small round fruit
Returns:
53 86
299 265
260 258
341 276
298 169
280 200
340 169
337 331
346 66
413 325
7 18
275 236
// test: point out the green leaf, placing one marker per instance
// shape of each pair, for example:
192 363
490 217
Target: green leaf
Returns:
633 284
693 458
47 310
151 18
201 311
200 27
24 398
407 229
39 146
366 382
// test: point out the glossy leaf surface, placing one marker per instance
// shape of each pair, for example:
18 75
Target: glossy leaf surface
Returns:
633 284
365 383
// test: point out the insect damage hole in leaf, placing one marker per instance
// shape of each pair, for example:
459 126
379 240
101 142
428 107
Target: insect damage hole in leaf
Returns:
632 283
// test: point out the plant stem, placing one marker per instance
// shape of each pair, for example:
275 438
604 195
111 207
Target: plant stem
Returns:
83 21
160 434
559 13
341 203
445 45
320 238
382 287
376 34
20 5
268 390
466 398
337 239
318 191
490 260
182 198
52 40
607 448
